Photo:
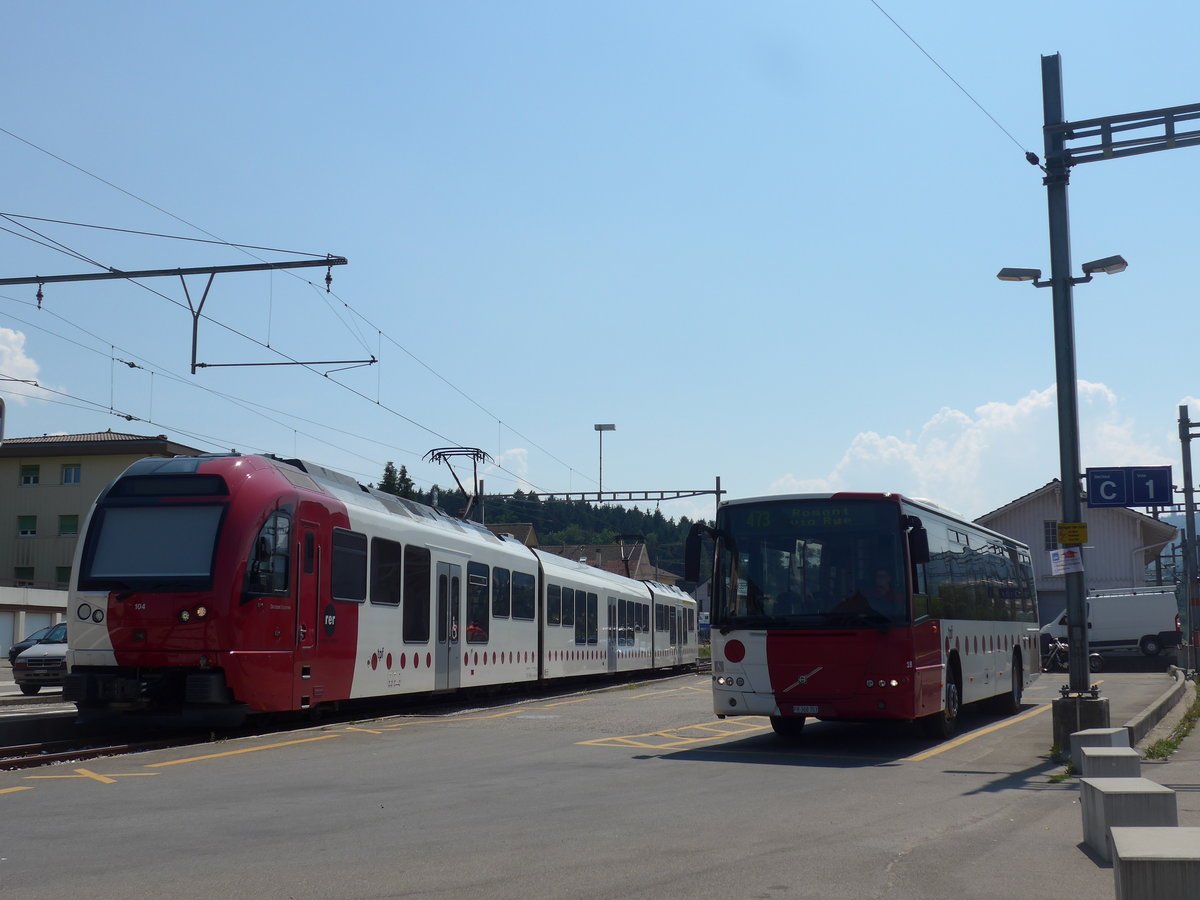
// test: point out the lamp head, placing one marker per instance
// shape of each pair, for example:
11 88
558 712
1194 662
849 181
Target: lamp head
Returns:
1019 274
1110 265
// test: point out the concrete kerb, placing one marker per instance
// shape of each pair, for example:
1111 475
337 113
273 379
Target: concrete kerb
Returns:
1140 725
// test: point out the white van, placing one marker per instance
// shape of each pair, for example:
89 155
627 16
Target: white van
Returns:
1145 619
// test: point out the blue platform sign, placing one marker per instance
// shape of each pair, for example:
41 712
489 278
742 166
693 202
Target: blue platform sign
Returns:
1129 486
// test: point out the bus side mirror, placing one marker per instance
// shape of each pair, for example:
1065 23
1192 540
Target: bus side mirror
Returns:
918 541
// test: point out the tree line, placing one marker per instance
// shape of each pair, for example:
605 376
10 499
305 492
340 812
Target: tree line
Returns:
574 522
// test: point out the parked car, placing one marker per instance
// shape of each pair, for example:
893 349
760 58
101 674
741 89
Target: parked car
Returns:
15 650
44 664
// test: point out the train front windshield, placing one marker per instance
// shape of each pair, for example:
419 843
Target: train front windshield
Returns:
811 564
133 546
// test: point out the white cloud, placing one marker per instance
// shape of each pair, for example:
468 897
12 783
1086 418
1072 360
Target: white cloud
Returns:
16 365
980 461
515 463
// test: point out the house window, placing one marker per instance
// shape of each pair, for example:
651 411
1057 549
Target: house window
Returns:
62 576
23 576
30 475
26 526
71 473
68 526
1050 530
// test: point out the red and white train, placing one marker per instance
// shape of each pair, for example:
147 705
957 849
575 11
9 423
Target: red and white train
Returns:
215 585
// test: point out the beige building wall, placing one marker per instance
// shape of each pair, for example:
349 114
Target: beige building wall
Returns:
47 486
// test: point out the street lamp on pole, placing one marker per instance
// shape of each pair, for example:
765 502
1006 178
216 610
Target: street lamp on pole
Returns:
602 429
1068 430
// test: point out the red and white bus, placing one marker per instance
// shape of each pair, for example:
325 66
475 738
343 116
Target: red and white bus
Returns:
859 606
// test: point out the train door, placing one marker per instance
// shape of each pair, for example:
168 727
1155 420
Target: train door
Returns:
447 669
612 634
676 643
308 610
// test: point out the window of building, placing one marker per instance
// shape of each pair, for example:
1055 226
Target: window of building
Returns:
1050 530
23 576
71 473
68 526
62 576
30 475
26 526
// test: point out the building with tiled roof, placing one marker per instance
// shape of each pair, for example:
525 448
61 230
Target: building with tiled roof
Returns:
47 486
631 560
1121 544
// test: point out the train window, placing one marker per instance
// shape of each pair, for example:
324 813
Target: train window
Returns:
267 571
478 621
310 552
621 618
553 604
501 593
568 606
385 572
593 618
580 617
524 595
416 594
348 570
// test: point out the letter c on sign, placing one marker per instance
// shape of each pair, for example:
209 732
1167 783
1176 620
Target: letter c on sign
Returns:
1108 490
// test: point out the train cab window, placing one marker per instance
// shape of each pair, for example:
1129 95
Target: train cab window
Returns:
553 604
524 596
501 593
478 605
386 559
267 569
417 569
348 569
568 606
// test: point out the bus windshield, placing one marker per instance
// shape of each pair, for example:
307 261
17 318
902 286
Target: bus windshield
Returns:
811 563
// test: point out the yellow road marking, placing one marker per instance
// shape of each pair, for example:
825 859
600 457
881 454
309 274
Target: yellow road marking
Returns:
958 742
675 738
192 759
363 730
94 776
14 790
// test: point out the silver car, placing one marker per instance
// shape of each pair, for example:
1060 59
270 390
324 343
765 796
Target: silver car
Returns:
44 664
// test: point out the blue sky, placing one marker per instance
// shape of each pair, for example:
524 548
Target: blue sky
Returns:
760 238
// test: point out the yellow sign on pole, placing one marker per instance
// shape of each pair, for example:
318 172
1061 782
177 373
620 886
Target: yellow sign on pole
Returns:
1072 534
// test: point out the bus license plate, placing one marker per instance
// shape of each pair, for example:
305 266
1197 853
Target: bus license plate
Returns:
804 710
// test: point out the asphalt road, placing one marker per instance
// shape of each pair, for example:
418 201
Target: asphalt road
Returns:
631 792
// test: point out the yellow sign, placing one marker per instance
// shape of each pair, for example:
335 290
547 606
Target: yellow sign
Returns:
1072 534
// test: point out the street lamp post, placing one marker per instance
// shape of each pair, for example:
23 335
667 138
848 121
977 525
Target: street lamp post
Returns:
602 429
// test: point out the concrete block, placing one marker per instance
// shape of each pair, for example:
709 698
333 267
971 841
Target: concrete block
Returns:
1096 737
1073 714
1110 762
1156 863
1109 802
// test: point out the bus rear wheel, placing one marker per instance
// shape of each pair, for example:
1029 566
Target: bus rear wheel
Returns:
787 726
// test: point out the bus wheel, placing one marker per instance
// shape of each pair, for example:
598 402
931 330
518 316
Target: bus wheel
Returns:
1010 704
944 724
787 726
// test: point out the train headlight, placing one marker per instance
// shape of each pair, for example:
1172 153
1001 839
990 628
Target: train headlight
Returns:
85 611
201 612
894 683
185 615
870 682
98 616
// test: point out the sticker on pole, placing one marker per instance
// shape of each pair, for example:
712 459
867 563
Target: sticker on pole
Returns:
1063 562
